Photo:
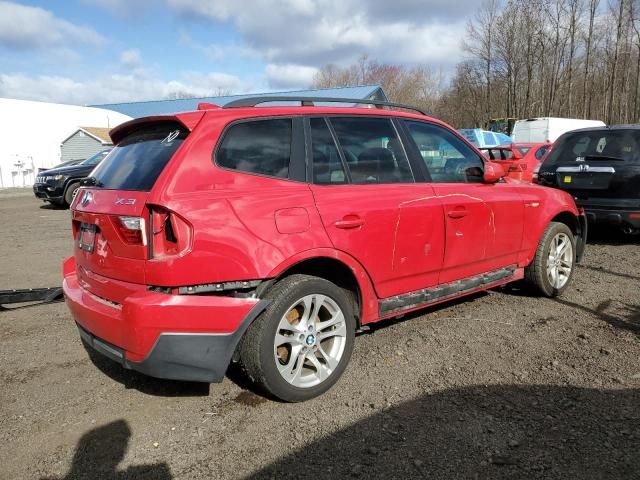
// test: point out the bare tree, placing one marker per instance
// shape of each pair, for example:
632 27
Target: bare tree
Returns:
480 33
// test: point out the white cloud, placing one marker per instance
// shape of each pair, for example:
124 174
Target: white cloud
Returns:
315 32
131 59
116 88
27 27
122 8
289 76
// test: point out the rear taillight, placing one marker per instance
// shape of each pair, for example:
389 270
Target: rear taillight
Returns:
170 233
132 230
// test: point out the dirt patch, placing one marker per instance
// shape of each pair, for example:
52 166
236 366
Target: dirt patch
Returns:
500 385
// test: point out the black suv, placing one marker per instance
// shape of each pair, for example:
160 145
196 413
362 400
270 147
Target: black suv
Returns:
600 167
58 185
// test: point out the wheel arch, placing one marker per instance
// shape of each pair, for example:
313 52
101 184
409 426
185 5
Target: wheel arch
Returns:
569 219
566 214
339 268
578 226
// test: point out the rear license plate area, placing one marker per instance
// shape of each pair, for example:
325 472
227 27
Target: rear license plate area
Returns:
87 237
584 181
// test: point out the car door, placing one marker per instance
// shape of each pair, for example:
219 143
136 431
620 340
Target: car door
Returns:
371 206
483 222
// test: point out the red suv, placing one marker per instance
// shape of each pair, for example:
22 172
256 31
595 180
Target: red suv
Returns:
271 235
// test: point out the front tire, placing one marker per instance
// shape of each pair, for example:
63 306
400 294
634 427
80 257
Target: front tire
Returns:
70 193
552 267
301 344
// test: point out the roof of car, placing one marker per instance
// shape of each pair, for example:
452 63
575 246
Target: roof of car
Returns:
629 126
192 118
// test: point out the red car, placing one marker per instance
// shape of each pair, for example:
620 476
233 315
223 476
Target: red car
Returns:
271 235
520 160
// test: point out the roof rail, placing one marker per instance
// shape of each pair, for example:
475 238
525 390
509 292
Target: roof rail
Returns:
310 101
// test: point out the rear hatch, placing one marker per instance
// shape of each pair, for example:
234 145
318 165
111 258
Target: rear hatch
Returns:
595 166
110 213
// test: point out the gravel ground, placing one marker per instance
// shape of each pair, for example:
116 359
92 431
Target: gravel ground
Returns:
500 385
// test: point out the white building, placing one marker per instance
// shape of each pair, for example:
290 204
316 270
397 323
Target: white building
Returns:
31 134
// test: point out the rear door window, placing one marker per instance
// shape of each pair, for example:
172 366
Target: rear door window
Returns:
139 158
372 150
261 147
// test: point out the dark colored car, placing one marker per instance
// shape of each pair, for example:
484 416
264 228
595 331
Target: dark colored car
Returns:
600 167
58 185
271 235
68 163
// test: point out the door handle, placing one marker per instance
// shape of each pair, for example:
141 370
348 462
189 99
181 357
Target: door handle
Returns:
349 221
458 212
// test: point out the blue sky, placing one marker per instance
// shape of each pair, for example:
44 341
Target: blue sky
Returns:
101 51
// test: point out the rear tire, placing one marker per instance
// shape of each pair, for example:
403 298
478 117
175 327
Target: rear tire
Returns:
301 344
552 267
70 193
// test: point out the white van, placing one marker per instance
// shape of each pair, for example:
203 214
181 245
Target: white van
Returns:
548 129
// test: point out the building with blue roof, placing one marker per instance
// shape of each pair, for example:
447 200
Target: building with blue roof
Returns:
163 107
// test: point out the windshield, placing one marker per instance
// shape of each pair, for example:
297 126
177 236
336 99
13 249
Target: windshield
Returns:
95 159
139 158
613 145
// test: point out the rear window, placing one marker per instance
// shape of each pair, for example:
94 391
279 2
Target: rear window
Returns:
136 162
262 147
372 150
605 145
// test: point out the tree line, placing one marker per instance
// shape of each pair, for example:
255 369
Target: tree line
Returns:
525 58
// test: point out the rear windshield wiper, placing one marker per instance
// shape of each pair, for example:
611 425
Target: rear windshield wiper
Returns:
91 182
603 157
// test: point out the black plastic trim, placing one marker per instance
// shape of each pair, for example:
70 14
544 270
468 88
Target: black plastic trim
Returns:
310 101
442 292
182 356
581 241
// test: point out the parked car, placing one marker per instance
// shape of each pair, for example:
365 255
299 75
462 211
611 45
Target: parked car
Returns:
548 129
600 167
271 235
484 138
59 185
520 160
68 163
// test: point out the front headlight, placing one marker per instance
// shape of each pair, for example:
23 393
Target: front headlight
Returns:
57 178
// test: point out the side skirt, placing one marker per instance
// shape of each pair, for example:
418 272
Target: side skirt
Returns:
408 301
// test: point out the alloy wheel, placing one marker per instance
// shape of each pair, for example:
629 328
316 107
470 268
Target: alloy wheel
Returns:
560 260
310 341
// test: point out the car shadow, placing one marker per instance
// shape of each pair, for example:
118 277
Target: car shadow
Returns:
620 315
99 452
482 432
599 235
51 206
607 271
157 387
